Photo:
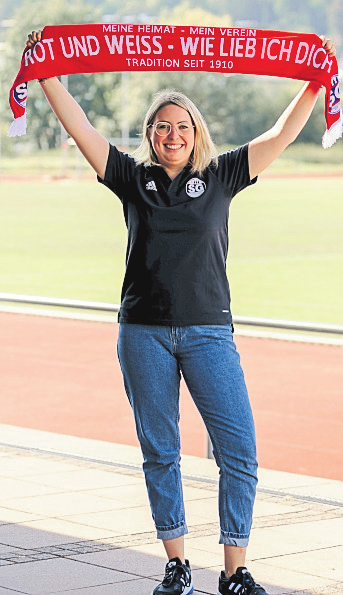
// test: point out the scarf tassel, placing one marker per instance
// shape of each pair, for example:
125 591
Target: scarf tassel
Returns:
333 134
18 126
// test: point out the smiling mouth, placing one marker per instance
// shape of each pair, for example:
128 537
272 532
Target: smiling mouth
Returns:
173 147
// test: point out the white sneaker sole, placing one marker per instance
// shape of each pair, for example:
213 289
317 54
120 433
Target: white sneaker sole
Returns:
188 590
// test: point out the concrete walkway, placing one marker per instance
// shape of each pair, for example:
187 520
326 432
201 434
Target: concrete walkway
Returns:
74 518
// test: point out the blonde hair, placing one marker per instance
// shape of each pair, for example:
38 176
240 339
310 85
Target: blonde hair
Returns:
204 151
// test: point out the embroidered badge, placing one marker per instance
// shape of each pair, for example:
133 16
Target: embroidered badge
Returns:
195 187
335 104
151 186
20 94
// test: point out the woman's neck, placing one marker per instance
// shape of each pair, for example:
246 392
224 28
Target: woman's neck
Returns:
172 172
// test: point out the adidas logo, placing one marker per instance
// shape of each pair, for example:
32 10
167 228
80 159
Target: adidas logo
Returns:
151 186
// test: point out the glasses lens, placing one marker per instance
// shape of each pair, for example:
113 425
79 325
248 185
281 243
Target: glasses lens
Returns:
162 128
184 128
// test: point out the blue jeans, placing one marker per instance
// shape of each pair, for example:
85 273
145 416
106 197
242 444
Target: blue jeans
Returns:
152 359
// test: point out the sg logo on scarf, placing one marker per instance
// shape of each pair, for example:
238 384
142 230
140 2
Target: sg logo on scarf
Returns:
335 104
195 187
20 94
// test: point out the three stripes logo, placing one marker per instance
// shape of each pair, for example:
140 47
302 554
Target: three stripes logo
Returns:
151 186
236 588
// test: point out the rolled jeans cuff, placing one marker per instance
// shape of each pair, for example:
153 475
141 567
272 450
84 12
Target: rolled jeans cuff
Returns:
233 539
166 533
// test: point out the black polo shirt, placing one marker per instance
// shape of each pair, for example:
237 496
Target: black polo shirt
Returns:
177 239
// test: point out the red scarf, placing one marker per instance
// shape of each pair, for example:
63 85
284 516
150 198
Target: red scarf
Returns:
70 49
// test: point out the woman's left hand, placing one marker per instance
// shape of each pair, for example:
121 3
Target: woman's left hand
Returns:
329 45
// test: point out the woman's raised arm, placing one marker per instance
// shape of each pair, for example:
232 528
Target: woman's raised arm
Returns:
264 149
91 143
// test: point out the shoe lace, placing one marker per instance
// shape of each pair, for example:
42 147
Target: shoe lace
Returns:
174 573
249 584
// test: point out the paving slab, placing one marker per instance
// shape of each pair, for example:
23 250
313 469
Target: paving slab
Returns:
74 517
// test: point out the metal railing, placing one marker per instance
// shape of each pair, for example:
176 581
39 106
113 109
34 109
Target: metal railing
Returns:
36 300
291 325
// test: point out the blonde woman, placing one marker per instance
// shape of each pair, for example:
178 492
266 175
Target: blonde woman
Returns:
175 315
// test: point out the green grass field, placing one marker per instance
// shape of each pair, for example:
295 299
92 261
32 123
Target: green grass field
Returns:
67 239
286 255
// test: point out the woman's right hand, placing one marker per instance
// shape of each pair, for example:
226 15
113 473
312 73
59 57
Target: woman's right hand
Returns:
33 37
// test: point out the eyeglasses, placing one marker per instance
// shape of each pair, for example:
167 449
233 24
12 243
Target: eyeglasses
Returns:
164 128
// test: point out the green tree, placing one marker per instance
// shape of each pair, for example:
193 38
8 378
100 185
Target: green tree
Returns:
185 14
335 22
94 92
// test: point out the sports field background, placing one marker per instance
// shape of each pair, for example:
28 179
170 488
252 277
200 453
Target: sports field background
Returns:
66 238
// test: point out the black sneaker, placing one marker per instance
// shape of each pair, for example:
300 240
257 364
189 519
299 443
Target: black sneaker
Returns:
240 583
177 579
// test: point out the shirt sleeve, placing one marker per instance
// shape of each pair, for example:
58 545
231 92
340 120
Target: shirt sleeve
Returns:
120 170
233 170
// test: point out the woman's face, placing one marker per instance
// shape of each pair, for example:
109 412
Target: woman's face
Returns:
174 150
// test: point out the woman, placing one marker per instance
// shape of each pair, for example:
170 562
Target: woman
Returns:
175 309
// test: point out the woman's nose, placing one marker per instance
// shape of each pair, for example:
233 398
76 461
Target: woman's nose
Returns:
174 131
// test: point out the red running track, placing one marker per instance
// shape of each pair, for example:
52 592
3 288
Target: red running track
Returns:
63 376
